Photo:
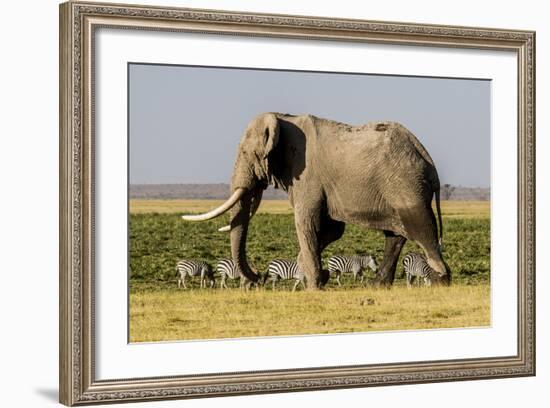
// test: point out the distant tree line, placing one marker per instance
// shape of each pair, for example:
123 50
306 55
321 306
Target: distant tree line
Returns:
221 191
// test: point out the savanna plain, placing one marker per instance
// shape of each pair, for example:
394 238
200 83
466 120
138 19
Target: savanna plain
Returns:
160 311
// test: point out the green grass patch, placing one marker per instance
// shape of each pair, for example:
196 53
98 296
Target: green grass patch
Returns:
158 241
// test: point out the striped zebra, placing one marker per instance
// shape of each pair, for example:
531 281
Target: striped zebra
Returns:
285 270
191 268
227 269
337 265
416 266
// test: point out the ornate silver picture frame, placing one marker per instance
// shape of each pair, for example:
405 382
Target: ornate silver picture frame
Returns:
79 22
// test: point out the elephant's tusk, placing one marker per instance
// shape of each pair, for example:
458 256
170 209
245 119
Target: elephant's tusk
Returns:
216 212
255 205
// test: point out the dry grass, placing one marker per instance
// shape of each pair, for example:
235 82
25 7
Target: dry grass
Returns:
196 206
172 314
468 209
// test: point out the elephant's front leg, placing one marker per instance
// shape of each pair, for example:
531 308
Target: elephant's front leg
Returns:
394 245
309 258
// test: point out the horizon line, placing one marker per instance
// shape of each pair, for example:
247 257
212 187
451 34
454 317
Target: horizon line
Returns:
226 183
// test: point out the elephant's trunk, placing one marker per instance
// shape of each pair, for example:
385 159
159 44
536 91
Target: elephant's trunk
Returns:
256 199
240 217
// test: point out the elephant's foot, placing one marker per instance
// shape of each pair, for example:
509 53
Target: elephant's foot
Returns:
314 283
319 282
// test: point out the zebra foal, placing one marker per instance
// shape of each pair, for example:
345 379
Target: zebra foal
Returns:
416 266
190 268
285 270
337 265
228 270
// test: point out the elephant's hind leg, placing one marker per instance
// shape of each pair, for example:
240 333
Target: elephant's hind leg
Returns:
422 229
393 247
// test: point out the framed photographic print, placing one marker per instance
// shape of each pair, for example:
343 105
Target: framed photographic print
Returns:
256 203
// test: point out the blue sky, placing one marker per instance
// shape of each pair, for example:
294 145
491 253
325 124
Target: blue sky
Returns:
186 122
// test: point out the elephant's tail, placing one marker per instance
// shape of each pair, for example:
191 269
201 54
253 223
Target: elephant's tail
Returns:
438 209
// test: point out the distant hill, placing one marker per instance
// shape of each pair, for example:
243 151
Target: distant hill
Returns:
192 191
221 191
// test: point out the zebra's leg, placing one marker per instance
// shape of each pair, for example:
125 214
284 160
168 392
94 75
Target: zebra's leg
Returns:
179 283
273 283
222 283
296 284
244 284
357 272
394 244
183 281
338 274
409 280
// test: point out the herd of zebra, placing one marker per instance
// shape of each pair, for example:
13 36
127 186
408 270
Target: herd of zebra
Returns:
414 265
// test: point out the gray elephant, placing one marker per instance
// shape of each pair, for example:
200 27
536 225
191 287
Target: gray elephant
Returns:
376 175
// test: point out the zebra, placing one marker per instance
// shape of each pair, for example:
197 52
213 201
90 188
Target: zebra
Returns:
284 269
190 267
351 264
228 269
416 266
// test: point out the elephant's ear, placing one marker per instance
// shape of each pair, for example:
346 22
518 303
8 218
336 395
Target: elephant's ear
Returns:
271 133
